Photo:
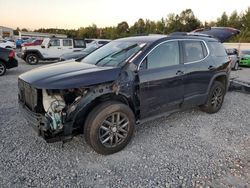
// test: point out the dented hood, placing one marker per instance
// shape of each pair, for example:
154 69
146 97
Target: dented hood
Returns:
221 33
68 75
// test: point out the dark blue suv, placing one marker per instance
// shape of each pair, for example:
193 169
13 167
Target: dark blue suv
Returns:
126 82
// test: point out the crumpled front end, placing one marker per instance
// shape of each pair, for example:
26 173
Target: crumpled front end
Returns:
46 110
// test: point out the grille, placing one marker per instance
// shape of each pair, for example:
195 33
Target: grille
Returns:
27 94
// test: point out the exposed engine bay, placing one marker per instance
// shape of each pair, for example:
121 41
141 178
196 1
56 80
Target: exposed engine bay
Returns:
58 103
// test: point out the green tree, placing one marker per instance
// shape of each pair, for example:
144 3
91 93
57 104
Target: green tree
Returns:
188 21
223 20
122 29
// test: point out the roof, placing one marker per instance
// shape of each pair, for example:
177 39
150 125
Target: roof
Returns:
147 39
7 28
42 34
153 38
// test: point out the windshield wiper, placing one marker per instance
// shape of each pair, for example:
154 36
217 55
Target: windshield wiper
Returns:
103 58
125 49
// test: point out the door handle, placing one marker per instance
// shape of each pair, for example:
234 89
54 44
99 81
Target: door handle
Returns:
179 73
211 67
59 48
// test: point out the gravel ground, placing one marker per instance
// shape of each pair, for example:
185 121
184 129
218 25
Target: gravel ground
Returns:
186 149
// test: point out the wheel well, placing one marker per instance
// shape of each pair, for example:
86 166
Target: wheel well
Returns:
222 79
32 52
81 117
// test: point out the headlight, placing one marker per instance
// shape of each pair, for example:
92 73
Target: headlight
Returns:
55 102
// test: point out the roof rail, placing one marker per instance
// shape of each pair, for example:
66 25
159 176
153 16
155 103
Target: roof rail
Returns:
189 34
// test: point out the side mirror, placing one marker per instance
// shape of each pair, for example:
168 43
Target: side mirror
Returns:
49 45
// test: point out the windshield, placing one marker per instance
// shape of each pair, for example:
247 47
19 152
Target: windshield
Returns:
89 49
113 53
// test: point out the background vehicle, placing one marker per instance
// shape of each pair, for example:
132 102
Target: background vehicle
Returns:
79 54
7 60
51 49
7 44
245 57
234 56
35 42
129 80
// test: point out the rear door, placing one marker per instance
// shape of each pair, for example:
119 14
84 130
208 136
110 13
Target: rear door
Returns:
67 46
199 69
161 80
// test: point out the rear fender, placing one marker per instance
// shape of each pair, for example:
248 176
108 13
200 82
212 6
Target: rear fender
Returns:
37 52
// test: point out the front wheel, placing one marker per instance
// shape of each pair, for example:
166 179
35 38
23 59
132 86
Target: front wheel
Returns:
2 69
215 98
32 59
109 127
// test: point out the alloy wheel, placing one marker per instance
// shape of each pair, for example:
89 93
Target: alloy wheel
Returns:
32 59
114 129
217 97
2 69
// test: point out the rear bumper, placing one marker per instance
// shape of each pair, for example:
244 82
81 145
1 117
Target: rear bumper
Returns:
11 63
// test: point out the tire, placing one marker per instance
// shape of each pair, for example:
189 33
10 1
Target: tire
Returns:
2 69
32 59
104 136
215 98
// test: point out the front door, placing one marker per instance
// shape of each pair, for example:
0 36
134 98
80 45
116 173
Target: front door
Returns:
54 49
161 80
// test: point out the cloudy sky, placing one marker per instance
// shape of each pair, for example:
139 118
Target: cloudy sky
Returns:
72 14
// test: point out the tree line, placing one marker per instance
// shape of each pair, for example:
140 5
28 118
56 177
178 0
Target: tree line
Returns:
186 21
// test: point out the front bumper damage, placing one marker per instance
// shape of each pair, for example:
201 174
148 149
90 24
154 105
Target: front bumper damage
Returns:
40 124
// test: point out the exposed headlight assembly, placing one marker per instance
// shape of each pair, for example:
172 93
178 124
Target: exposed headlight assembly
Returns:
53 105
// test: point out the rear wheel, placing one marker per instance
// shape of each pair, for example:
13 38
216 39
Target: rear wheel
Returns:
215 98
32 59
2 69
109 127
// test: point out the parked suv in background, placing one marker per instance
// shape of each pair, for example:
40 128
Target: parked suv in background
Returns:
127 81
51 49
233 54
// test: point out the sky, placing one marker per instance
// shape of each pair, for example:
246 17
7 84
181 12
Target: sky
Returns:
72 14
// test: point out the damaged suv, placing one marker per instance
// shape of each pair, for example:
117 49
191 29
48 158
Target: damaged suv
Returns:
126 82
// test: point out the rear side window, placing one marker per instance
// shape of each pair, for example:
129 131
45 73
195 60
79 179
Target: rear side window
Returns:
79 43
193 51
67 42
217 49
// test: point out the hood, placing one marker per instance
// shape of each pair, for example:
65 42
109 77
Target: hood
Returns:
221 33
69 74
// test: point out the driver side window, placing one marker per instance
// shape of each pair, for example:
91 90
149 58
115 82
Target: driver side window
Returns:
166 54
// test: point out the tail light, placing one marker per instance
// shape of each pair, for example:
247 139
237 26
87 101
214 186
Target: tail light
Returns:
12 54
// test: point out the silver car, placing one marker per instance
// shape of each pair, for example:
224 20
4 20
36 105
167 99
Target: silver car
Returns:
234 56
